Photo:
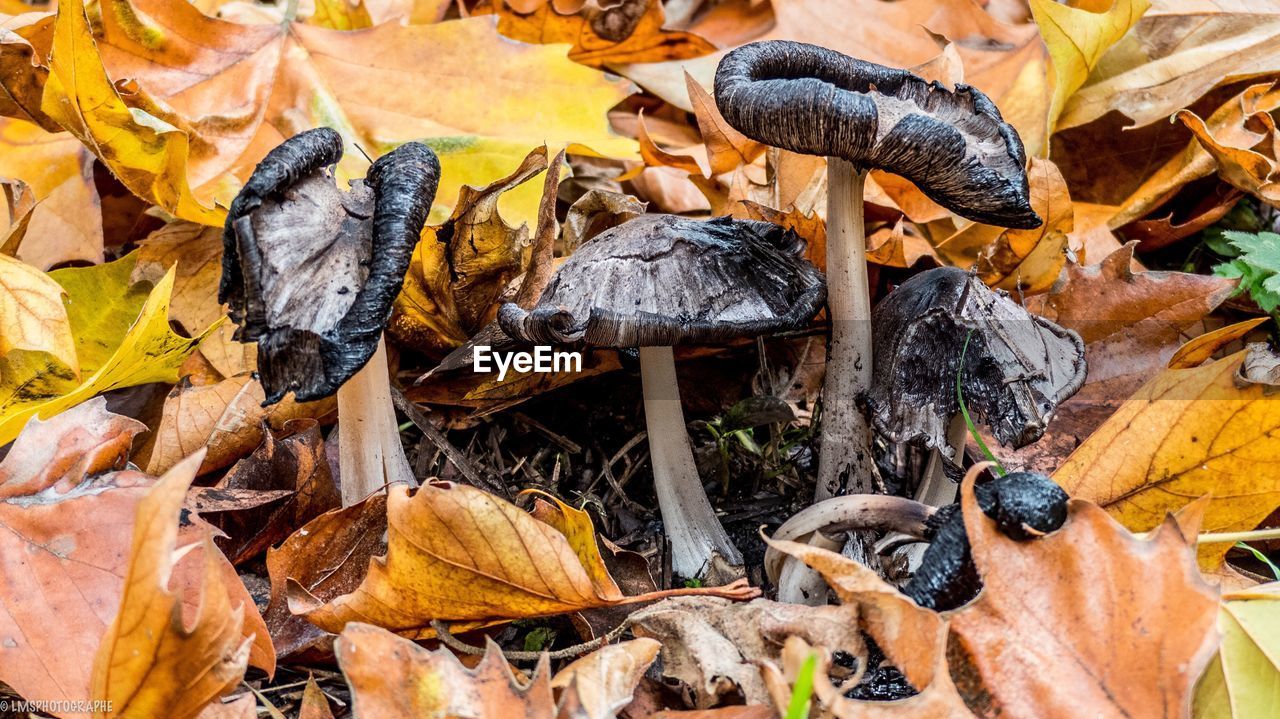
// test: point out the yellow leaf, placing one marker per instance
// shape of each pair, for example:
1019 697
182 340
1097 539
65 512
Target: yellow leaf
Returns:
149 663
1185 434
1244 681
341 15
1077 40
120 346
458 554
32 318
146 152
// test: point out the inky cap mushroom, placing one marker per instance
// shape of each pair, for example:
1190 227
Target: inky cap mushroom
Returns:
1018 367
662 280
953 145
309 271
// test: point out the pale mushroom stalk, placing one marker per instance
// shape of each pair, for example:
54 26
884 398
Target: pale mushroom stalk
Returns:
310 272
845 458
659 281
369 451
690 521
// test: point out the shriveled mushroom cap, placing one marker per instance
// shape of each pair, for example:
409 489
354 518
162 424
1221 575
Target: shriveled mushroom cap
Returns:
953 145
1018 367
663 280
310 271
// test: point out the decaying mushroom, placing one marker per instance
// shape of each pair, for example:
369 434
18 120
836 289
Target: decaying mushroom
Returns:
310 272
953 144
658 281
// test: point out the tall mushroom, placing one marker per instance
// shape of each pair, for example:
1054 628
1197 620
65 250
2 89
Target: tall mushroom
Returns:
658 281
953 144
310 272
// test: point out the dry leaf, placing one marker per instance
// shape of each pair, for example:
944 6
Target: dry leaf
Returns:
601 683
1185 434
1242 680
491 563
1202 348
150 661
314 703
628 31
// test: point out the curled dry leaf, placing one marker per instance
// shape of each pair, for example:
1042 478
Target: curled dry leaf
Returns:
151 662
1185 434
391 677
1141 622
328 557
1202 348
1245 168
713 647
628 31
456 553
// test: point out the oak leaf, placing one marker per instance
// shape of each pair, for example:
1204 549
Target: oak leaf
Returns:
1185 434
458 554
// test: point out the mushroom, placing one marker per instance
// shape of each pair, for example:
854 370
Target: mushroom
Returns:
953 144
1017 368
658 281
310 272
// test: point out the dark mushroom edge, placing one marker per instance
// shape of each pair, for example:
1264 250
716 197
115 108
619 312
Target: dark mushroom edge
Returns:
717 268
1024 505
293 359
953 144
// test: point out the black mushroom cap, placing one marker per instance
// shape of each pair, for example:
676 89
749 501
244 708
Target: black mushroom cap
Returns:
1024 505
663 280
309 271
953 145
1018 367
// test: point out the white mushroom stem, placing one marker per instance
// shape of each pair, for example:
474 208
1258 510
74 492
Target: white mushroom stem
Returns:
845 460
935 489
369 452
690 522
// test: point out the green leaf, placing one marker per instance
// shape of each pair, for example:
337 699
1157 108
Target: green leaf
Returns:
1257 266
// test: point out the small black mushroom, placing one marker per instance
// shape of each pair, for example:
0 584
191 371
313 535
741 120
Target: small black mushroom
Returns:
1024 505
310 273
953 144
662 280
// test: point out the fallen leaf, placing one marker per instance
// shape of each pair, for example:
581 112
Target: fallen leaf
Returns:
122 339
714 647
150 662
1243 678
1142 620
1185 434
1077 39
1242 167
727 149
32 318
629 31
328 557
44 160
460 269
601 683
1177 52
493 563
340 15
295 461
225 418
243 707
1202 348
314 703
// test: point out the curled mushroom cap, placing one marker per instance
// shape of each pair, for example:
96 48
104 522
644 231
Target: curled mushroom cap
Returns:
1018 367
953 145
662 280
309 271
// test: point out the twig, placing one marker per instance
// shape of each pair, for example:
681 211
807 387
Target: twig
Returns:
569 445
451 453
447 638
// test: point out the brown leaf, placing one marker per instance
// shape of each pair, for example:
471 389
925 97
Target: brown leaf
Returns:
314 703
1202 348
244 707
494 563
226 419
293 460
1126 623
150 661
1242 166
628 31
328 557
713 646
727 149
601 683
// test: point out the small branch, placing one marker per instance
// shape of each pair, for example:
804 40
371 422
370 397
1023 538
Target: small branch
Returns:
1256 535
455 457
447 638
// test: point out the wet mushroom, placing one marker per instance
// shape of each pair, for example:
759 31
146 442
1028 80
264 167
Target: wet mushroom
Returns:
953 144
310 272
658 281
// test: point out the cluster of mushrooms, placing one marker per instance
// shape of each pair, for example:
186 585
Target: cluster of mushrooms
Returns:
310 273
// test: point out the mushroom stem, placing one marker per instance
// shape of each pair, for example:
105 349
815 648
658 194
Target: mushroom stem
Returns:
845 460
797 583
690 522
935 489
369 452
